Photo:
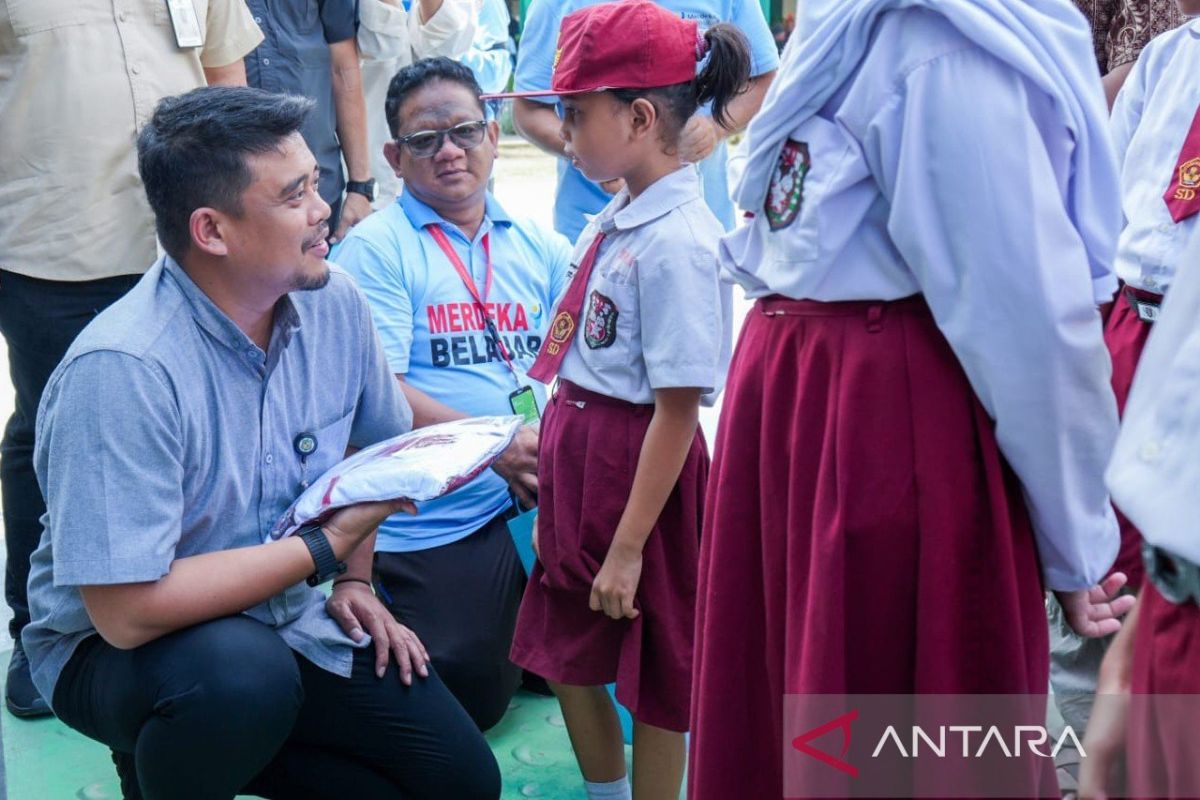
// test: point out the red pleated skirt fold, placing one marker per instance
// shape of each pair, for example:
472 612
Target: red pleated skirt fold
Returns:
589 451
1125 335
862 535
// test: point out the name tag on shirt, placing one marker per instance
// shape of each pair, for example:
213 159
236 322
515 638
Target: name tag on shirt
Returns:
187 25
1147 312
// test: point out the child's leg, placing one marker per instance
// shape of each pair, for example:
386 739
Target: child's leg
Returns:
659 758
595 731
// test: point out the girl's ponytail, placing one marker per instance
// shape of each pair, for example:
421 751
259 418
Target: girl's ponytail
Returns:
727 72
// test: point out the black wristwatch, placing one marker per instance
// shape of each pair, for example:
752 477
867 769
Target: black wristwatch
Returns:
322 555
365 188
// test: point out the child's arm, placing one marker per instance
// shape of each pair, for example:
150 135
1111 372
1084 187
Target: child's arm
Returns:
664 451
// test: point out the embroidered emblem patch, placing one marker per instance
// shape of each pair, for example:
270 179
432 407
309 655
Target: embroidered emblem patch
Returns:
785 196
600 327
560 332
1189 174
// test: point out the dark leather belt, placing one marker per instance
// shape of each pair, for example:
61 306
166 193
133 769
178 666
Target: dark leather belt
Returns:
1176 579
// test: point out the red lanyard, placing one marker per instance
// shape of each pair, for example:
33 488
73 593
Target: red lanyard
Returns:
443 242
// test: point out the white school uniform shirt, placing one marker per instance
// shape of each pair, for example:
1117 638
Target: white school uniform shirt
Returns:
1150 121
1155 472
655 314
937 168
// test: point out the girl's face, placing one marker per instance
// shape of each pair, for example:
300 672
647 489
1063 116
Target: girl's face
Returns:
597 129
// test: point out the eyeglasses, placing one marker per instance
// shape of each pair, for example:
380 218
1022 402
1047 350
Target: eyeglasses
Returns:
424 144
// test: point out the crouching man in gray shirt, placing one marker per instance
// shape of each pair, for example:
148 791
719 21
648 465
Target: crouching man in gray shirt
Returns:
169 441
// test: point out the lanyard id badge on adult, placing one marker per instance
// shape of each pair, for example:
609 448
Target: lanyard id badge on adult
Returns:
522 400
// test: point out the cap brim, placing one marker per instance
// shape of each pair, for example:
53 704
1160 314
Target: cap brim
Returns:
539 93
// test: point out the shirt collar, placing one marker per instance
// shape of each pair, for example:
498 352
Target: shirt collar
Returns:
220 326
420 214
661 197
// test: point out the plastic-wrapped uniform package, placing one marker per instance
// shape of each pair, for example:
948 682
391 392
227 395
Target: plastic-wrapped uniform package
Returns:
418 465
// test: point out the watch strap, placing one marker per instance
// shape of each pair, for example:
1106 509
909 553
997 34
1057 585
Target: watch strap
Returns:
322 554
365 188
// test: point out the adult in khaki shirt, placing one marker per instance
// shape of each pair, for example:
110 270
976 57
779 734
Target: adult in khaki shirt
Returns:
78 80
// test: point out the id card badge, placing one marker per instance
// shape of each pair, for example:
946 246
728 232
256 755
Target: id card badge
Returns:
187 25
524 404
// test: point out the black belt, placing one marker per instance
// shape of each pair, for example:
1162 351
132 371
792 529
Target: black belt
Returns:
1176 579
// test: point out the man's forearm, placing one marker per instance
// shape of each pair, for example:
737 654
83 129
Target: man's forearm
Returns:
742 108
539 124
350 108
197 589
229 75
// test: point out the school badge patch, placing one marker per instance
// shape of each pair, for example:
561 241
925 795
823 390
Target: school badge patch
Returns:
600 327
785 196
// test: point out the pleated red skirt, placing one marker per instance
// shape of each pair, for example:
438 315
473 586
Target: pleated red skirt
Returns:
862 535
589 450
1162 753
1126 334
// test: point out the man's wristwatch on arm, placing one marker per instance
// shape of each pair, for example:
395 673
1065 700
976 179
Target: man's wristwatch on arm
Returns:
322 555
365 188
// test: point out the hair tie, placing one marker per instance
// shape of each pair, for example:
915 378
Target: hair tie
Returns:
701 46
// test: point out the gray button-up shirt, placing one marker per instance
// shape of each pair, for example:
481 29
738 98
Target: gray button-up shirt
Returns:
166 433
294 59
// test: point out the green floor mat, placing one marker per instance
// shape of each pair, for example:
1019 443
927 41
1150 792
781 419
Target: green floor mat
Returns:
46 760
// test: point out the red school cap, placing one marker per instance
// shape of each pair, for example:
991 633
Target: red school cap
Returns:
629 44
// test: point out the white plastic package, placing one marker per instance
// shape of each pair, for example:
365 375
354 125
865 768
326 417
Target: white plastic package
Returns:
419 465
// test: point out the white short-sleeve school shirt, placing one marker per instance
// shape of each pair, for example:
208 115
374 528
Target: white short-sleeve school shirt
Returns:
1150 123
655 314
903 184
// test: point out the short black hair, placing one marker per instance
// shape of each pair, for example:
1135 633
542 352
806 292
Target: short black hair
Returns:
421 73
193 153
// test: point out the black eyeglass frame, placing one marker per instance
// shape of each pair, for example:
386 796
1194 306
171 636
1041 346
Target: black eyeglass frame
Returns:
469 136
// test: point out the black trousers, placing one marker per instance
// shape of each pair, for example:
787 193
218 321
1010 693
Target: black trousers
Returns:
462 600
226 708
39 320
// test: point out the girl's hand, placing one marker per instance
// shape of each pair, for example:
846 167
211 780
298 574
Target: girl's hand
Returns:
616 584
1097 611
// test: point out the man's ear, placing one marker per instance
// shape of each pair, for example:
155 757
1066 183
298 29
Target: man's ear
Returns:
642 117
493 135
391 151
207 227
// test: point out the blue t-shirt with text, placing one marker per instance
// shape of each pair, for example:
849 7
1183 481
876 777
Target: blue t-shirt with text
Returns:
434 335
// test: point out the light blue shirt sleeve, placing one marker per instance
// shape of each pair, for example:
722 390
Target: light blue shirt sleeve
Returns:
382 410
1011 288
764 55
110 439
557 254
388 294
539 40
488 57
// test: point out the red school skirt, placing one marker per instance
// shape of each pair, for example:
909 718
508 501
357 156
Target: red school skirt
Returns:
862 535
1162 724
1125 335
589 450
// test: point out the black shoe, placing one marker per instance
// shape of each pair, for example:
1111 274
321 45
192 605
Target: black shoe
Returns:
127 773
531 682
20 695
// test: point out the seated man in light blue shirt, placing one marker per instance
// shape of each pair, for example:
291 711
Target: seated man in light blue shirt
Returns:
461 292
163 626
703 140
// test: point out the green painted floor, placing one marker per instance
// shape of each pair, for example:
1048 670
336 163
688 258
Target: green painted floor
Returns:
46 760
